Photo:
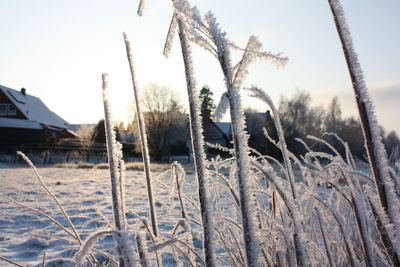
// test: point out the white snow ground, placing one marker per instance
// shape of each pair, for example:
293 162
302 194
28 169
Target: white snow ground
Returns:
85 194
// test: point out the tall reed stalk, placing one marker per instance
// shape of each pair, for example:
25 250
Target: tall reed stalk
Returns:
209 36
114 158
143 138
234 77
385 183
198 148
239 137
240 140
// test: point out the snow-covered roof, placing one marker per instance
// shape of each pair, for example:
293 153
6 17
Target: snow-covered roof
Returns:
225 127
19 123
34 109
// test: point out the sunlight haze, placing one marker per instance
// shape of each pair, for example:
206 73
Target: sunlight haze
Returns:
58 50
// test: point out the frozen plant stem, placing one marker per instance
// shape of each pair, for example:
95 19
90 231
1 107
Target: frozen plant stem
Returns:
114 157
76 235
258 93
384 182
141 7
112 161
141 247
240 139
10 261
242 173
358 83
176 170
198 148
143 138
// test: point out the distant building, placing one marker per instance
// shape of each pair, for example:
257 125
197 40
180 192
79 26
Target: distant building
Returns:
25 119
216 133
225 128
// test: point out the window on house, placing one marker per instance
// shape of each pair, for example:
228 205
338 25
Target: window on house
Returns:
11 110
3 109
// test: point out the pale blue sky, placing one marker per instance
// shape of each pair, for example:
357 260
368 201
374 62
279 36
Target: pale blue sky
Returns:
59 49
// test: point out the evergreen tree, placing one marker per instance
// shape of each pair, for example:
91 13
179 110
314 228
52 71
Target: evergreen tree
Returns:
99 133
207 102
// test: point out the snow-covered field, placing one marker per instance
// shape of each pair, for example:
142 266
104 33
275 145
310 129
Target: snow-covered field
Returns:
26 236
85 194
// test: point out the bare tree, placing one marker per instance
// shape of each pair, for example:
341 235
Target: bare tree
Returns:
299 119
166 122
85 132
333 119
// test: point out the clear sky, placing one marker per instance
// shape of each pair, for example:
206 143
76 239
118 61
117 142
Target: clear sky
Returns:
58 50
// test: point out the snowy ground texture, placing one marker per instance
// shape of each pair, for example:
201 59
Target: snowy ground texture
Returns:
324 213
85 194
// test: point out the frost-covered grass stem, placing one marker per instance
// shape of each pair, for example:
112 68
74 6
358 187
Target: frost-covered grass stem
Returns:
143 138
240 139
385 183
88 245
258 93
142 249
360 91
11 262
198 148
40 179
179 173
114 158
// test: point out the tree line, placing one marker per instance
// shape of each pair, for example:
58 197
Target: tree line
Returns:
167 126
300 119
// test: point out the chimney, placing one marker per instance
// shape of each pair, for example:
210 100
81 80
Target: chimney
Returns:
23 91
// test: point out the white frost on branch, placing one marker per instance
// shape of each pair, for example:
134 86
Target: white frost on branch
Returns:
364 98
86 247
143 137
170 35
122 190
391 230
258 93
202 32
124 248
196 133
114 155
240 138
222 107
141 7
